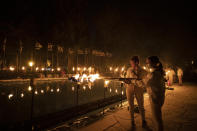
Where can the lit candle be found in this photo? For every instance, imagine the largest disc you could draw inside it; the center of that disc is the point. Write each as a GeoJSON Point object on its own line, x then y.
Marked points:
{"type": "Point", "coordinates": [37, 68]}
{"type": "Point", "coordinates": [10, 96]}
{"type": "Point", "coordinates": [23, 68]}
{"type": "Point", "coordinates": [29, 88]}
{"type": "Point", "coordinates": [12, 68]}
{"type": "Point", "coordinates": [36, 92]}
{"type": "Point", "coordinates": [84, 87]}
{"type": "Point", "coordinates": [58, 69]}
{"type": "Point", "coordinates": [31, 63]}
{"type": "Point", "coordinates": [106, 83]}
{"type": "Point", "coordinates": [73, 88]}
{"type": "Point", "coordinates": [22, 95]}
{"type": "Point", "coordinates": [42, 91]}
{"type": "Point", "coordinates": [58, 89]}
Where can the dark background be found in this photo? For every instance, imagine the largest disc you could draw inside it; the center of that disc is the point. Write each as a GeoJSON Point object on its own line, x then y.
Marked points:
{"type": "Point", "coordinates": [163, 28]}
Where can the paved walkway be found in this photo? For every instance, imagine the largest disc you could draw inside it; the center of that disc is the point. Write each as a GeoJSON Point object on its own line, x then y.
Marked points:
{"type": "Point", "coordinates": [179, 113]}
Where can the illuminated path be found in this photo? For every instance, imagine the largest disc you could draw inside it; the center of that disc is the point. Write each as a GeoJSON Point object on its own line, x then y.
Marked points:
{"type": "Point", "coordinates": [179, 113]}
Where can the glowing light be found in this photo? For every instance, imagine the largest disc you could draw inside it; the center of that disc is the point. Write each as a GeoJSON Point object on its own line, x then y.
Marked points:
{"type": "Point", "coordinates": [31, 63]}
{"type": "Point", "coordinates": [84, 87]}
{"type": "Point", "coordinates": [73, 68]}
{"type": "Point", "coordinates": [110, 68]}
{"type": "Point", "coordinates": [106, 83]}
{"type": "Point", "coordinates": [192, 62]}
{"type": "Point", "coordinates": [52, 69]}
{"type": "Point", "coordinates": [110, 90]}
{"type": "Point", "coordinates": [42, 91]}
{"type": "Point", "coordinates": [83, 77]}
{"type": "Point", "coordinates": [122, 69]}
{"type": "Point", "coordinates": [116, 70]}
{"type": "Point", "coordinates": [151, 70]}
{"type": "Point", "coordinates": [42, 69]}
{"type": "Point", "coordinates": [23, 68]}
{"type": "Point", "coordinates": [116, 91]}
{"type": "Point", "coordinates": [90, 69]}
{"type": "Point", "coordinates": [22, 95]}
{"type": "Point", "coordinates": [76, 76]}
{"type": "Point", "coordinates": [58, 69]}
{"type": "Point", "coordinates": [12, 68]}
{"type": "Point", "coordinates": [51, 90]}
{"type": "Point", "coordinates": [78, 68]}
{"type": "Point", "coordinates": [10, 96]}
{"type": "Point", "coordinates": [144, 67]}
{"type": "Point", "coordinates": [29, 88]}
{"type": "Point", "coordinates": [84, 69]}
{"type": "Point", "coordinates": [73, 88]}
{"type": "Point", "coordinates": [37, 68]}
{"type": "Point", "coordinates": [58, 90]}
{"type": "Point", "coordinates": [167, 72]}
{"type": "Point", "coordinates": [93, 77]}
{"type": "Point", "coordinates": [122, 92]}
{"type": "Point", "coordinates": [36, 92]}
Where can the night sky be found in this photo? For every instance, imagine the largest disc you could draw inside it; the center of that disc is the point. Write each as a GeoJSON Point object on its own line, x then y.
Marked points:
{"type": "Point", "coordinates": [166, 29]}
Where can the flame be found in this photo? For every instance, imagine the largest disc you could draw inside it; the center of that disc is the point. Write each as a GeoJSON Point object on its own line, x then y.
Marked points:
{"type": "Point", "coordinates": [93, 77]}
{"type": "Point", "coordinates": [12, 68]}
{"type": "Point", "coordinates": [10, 96]}
{"type": "Point", "coordinates": [106, 83]}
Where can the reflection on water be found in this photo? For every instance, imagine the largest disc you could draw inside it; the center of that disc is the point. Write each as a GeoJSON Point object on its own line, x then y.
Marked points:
{"type": "Point", "coordinates": [50, 97]}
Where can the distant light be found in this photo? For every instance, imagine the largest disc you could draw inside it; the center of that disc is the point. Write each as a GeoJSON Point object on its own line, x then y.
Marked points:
{"type": "Point", "coordinates": [42, 69]}
{"type": "Point", "coordinates": [110, 90]}
{"type": "Point", "coordinates": [22, 95]}
{"type": "Point", "coordinates": [78, 68]}
{"type": "Point", "coordinates": [10, 96]}
{"type": "Point", "coordinates": [116, 91]}
{"type": "Point", "coordinates": [144, 67]}
{"type": "Point", "coordinates": [51, 90]}
{"type": "Point", "coordinates": [52, 69]}
{"type": "Point", "coordinates": [42, 91]}
{"type": "Point", "coordinates": [31, 63]}
{"type": "Point", "coordinates": [36, 92]}
{"type": "Point", "coordinates": [106, 83]}
{"type": "Point", "coordinates": [116, 69]}
{"type": "Point", "coordinates": [23, 68]}
{"type": "Point", "coordinates": [110, 68]}
{"type": "Point", "coordinates": [58, 69]}
{"type": "Point", "coordinates": [58, 90]}
{"type": "Point", "coordinates": [12, 68]}
{"type": "Point", "coordinates": [122, 68]}
{"type": "Point", "coordinates": [73, 88]}
{"type": "Point", "coordinates": [37, 68]}
{"type": "Point", "coordinates": [122, 92]}
{"type": "Point", "coordinates": [29, 88]}
{"type": "Point", "coordinates": [90, 69]}
{"type": "Point", "coordinates": [84, 69]}
{"type": "Point", "coordinates": [192, 62]}
{"type": "Point", "coordinates": [73, 68]}
{"type": "Point", "coordinates": [76, 76]}
{"type": "Point", "coordinates": [84, 87]}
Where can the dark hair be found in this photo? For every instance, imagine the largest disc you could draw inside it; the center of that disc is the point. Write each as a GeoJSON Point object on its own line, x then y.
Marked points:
{"type": "Point", "coordinates": [155, 63]}
{"type": "Point", "coordinates": [135, 59]}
